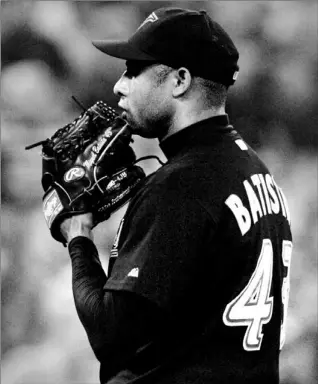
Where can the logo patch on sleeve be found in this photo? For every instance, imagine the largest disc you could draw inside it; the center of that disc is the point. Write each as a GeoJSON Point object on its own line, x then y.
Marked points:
{"type": "Point", "coordinates": [52, 206]}
{"type": "Point", "coordinates": [134, 272]}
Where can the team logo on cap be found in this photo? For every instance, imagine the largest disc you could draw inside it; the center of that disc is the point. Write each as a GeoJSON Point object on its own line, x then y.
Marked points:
{"type": "Point", "coordinates": [150, 19]}
{"type": "Point", "coordinates": [235, 75]}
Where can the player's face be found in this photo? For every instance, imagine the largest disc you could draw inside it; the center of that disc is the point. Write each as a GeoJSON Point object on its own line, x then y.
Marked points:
{"type": "Point", "coordinates": [147, 102]}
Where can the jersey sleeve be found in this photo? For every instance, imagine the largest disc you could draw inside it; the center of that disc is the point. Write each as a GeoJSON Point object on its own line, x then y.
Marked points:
{"type": "Point", "coordinates": [162, 242]}
{"type": "Point", "coordinates": [117, 323]}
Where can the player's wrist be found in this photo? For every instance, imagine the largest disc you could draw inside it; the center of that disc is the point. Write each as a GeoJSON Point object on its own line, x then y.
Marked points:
{"type": "Point", "coordinates": [83, 233]}
{"type": "Point", "coordinates": [75, 226]}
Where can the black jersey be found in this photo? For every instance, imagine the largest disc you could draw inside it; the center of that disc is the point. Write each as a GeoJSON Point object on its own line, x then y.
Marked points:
{"type": "Point", "coordinates": [207, 239]}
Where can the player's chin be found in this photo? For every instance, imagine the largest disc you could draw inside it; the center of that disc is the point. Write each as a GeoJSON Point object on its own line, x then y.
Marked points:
{"type": "Point", "coordinates": [144, 130]}
{"type": "Point", "coordinates": [138, 127]}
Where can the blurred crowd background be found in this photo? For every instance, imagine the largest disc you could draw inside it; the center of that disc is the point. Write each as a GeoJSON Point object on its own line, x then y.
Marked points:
{"type": "Point", "coordinates": [46, 57]}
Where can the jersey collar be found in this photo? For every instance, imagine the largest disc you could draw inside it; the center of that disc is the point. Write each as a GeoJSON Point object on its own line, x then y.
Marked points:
{"type": "Point", "coordinates": [202, 132]}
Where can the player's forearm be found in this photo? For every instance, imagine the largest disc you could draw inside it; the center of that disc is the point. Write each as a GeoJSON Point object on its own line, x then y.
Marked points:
{"type": "Point", "coordinates": [88, 279]}
{"type": "Point", "coordinates": [104, 314]}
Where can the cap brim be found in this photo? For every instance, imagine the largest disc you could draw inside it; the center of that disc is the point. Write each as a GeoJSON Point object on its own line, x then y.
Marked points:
{"type": "Point", "coordinates": [121, 49]}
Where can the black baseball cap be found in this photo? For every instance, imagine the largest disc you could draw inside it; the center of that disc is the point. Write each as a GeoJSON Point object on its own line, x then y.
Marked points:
{"type": "Point", "coordinates": [180, 38]}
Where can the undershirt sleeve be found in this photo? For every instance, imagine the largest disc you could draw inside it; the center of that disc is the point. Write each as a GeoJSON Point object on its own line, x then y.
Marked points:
{"type": "Point", "coordinates": [116, 323]}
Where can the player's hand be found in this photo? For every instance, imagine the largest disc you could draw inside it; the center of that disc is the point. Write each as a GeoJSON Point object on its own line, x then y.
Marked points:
{"type": "Point", "coordinates": [78, 225]}
{"type": "Point", "coordinates": [88, 165]}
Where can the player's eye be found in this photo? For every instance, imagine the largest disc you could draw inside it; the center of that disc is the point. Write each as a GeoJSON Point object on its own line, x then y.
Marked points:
{"type": "Point", "coordinates": [135, 67]}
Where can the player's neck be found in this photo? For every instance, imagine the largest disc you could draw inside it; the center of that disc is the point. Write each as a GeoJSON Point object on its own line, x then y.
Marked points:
{"type": "Point", "coordinates": [187, 117]}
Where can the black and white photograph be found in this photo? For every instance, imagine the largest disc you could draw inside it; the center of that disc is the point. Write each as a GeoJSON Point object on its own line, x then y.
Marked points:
{"type": "Point", "coordinates": [159, 179]}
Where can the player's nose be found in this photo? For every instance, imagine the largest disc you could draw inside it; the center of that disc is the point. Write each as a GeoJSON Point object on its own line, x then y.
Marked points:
{"type": "Point", "coordinates": [121, 87]}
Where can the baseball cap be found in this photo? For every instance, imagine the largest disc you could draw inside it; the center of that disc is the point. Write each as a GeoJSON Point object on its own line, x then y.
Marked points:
{"type": "Point", "coordinates": [180, 37]}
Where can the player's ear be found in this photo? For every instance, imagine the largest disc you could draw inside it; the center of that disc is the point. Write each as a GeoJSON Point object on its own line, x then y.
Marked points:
{"type": "Point", "coordinates": [182, 81]}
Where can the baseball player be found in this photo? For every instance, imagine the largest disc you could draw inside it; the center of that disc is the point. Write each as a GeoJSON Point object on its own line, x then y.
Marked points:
{"type": "Point", "coordinates": [198, 280]}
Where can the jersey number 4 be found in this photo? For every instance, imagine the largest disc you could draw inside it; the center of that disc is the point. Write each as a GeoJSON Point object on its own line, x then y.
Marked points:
{"type": "Point", "coordinates": [253, 307]}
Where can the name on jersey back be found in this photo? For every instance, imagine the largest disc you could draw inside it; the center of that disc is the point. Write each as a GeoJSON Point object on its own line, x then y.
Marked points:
{"type": "Point", "coordinates": [264, 197]}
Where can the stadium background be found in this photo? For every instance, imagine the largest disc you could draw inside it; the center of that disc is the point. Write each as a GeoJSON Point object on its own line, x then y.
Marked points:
{"type": "Point", "coordinates": [46, 57]}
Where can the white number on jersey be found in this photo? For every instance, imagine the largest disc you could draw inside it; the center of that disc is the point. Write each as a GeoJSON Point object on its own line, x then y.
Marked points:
{"type": "Point", "coordinates": [253, 307]}
{"type": "Point", "coordinates": [286, 255]}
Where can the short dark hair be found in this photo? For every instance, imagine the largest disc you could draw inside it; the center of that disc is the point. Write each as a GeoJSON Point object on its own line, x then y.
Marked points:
{"type": "Point", "coordinates": [214, 94]}
{"type": "Point", "coordinates": [162, 72]}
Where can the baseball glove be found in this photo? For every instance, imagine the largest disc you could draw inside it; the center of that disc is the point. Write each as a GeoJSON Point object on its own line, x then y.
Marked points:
{"type": "Point", "coordinates": [88, 166]}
